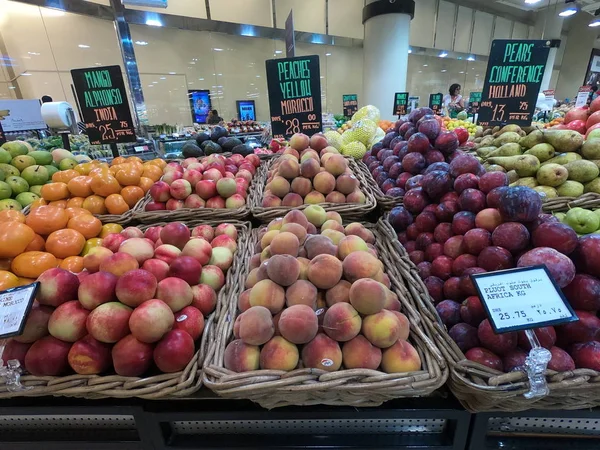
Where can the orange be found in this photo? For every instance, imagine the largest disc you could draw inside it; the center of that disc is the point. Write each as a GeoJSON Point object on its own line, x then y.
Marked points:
{"type": "Point", "coordinates": [89, 244]}
{"type": "Point", "coordinates": [46, 219]}
{"type": "Point", "coordinates": [37, 203]}
{"type": "Point", "coordinates": [36, 245]}
{"type": "Point", "coordinates": [75, 202]}
{"type": "Point", "coordinates": [8, 280]}
{"type": "Point", "coordinates": [134, 159]}
{"type": "Point", "coordinates": [26, 281]}
{"type": "Point", "coordinates": [105, 185]}
{"type": "Point", "coordinates": [76, 211]}
{"type": "Point", "coordinates": [146, 183]}
{"type": "Point", "coordinates": [33, 264]}
{"type": "Point", "coordinates": [88, 225]}
{"type": "Point", "coordinates": [157, 162]}
{"type": "Point", "coordinates": [59, 204]}
{"type": "Point", "coordinates": [83, 168]}
{"type": "Point", "coordinates": [55, 191]}
{"type": "Point", "coordinates": [72, 263]}
{"type": "Point", "coordinates": [132, 194]}
{"type": "Point", "coordinates": [100, 170]}
{"type": "Point", "coordinates": [65, 243]}
{"type": "Point", "coordinates": [14, 238]}
{"type": "Point", "coordinates": [95, 204]}
{"type": "Point", "coordinates": [110, 228]}
{"type": "Point", "coordinates": [80, 186]}
{"type": "Point", "coordinates": [116, 204]}
{"type": "Point", "coordinates": [128, 177]}
{"type": "Point", "coordinates": [118, 160]}
{"type": "Point", "coordinates": [63, 176]}
{"type": "Point", "coordinates": [12, 215]}
{"type": "Point", "coordinates": [152, 172]}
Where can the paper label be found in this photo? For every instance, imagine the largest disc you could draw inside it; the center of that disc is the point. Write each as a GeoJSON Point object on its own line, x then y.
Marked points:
{"type": "Point", "coordinates": [15, 305]}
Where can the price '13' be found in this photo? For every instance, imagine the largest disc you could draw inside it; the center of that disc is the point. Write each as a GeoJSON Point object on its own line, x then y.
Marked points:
{"type": "Point", "coordinates": [498, 113]}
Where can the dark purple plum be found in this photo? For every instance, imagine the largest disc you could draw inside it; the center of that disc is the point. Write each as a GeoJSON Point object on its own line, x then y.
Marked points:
{"type": "Point", "coordinates": [400, 218]}
{"type": "Point", "coordinates": [409, 133]}
{"type": "Point", "coordinates": [446, 142]}
{"type": "Point", "coordinates": [434, 156]}
{"type": "Point", "coordinates": [378, 170]}
{"type": "Point", "coordinates": [403, 178]}
{"type": "Point", "coordinates": [429, 127]}
{"type": "Point", "coordinates": [418, 143]}
{"type": "Point", "coordinates": [465, 336]}
{"type": "Point", "coordinates": [374, 165]}
{"type": "Point", "coordinates": [395, 170]}
{"type": "Point", "coordinates": [388, 184]}
{"type": "Point", "coordinates": [395, 192]}
{"type": "Point", "coordinates": [416, 200]}
{"type": "Point", "coordinates": [464, 163]}
{"type": "Point", "coordinates": [520, 204]}
{"type": "Point", "coordinates": [383, 154]}
{"type": "Point", "coordinates": [396, 141]}
{"type": "Point", "coordinates": [389, 162]}
{"type": "Point", "coordinates": [417, 114]}
{"type": "Point", "coordinates": [414, 163]}
{"type": "Point", "coordinates": [443, 166]}
{"type": "Point", "coordinates": [388, 138]}
{"type": "Point", "coordinates": [379, 179]}
{"type": "Point", "coordinates": [436, 183]}
{"type": "Point", "coordinates": [414, 182]}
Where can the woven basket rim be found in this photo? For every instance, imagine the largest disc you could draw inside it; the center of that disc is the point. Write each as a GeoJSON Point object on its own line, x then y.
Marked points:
{"type": "Point", "coordinates": [386, 202]}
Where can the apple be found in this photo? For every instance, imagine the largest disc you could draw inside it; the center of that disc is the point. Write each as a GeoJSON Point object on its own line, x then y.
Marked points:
{"type": "Point", "coordinates": [160, 192]}
{"type": "Point", "coordinates": [175, 233]}
{"type": "Point", "coordinates": [174, 351]}
{"type": "Point", "coordinates": [583, 221]}
{"type": "Point", "coordinates": [190, 320]}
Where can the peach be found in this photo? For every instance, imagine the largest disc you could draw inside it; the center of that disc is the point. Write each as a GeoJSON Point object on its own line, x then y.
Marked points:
{"type": "Point", "coordinates": [254, 260]}
{"type": "Point", "coordinates": [241, 357]}
{"type": "Point", "coordinates": [321, 302]}
{"type": "Point", "coordinates": [167, 253]}
{"type": "Point", "coordinates": [141, 249]}
{"type": "Point", "coordinates": [309, 154]}
{"type": "Point", "coordinates": [212, 276]}
{"type": "Point", "coordinates": [175, 233]}
{"type": "Point", "coordinates": [175, 292]}
{"type": "Point", "coordinates": [392, 303]}
{"type": "Point", "coordinates": [88, 356]}
{"type": "Point", "coordinates": [255, 326]}
{"type": "Point", "coordinates": [244, 301]}
{"type": "Point", "coordinates": [283, 269]}
{"type": "Point", "coordinates": [235, 201]}
{"type": "Point", "coordinates": [190, 320]}
{"type": "Point", "coordinates": [130, 357]}
{"type": "Point", "coordinates": [289, 169]}
{"type": "Point", "coordinates": [279, 354]}
{"type": "Point", "coordinates": [199, 249]}
{"type": "Point", "coordinates": [267, 238]}
{"type": "Point", "coordinates": [205, 232]}
{"type": "Point", "coordinates": [342, 322]}
{"type": "Point", "coordinates": [333, 215]}
{"type": "Point", "coordinates": [335, 197]}
{"type": "Point", "coordinates": [335, 164]}
{"type": "Point", "coordinates": [304, 262]}
{"type": "Point", "coordinates": [270, 201]}
{"type": "Point", "coordinates": [319, 245]}
{"type": "Point", "coordinates": [151, 320]}
{"type": "Point", "coordinates": [382, 329]}
{"type": "Point", "coordinates": [119, 263]}
{"type": "Point", "coordinates": [367, 296]}
{"type": "Point", "coordinates": [295, 216]}
{"type": "Point", "coordinates": [358, 229]}
{"type": "Point", "coordinates": [48, 357]}
{"type": "Point", "coordinates": [153, 233]}
{"type": "Point", "coordinates": [356, 197]}
{"type": "Point", "coordinates": [109, 322]}
{"type": "Point", "coordinates": [224, 241]}
{"type": "Point", "coordinates": [361, 264]}
{"type": "Point", "coordinates": [298, 324]}
{"type": "Point", "coordinates": [132, 232]}
{"type": "Point", "coordinates": [67, 322]}
{"type": "Point", "coordinates": [346, 183]}
{"type": "Point", "coordinates": [315, 215]}
{"type": "Point", "coordinates": [301, 292]}
{"type": "Point", "coordinates": [296, 229]}
{"type": "Point", "coordinates": [284, 243]}
{"type": "Point", "coordinates": [351, 244]}
{"type": "Point", "coordinates": [359, 353]}
{"type": "Point", "coordinates": [400, 357]}
{"type": "Point", "coordinates": [302, 186]}
{"type": "Point", "coordinates": [96, 289]}
{"type": "Point", "coordinates": [324, 271]}
{"type": "Point", "coordinates": [324, 183]}
{"type": "Point", "coordinates": [268, 294]}
{"type": "Point", "coordinates": [113, 241]}
{"type": "Point", "coordinates": [222, 258]}
{"type": "Point", "coordinates": [15, 350]}
{"type": "Point", "coordinates": [404, 325]}
{"type": "Point", "coordinates": [279, 186]}
{"type": "Point", "coordinates": [135, 287]}
{"type": "Point", "coordinates": [275, 224]}
{"type": "Point", "coordinates": [309, 168]}
{"type": "Point", "coordinates": [156, 267]}
{"type": "Point", "coordinates": [174, 351]}
{"type": "Point", "coordinates": [314, 198]}
{"type": "Point", "coordinates": [338, 293]}
{"type": "Point", "coordinates": [94, 257]}
{"type": "Point", "coordinates": [333, 235]}
{"type": "Point", "coordinates": [36, 325]}
{"type": "Point", "coordinates": [204, 298]}
{"type": "Point", "coordinates": [330, 224]}
{"type": "Point", "coordinates": [57, 286]}
{"type": "Point", "coordinates": [322, 353]}
{"type": "Point", "coordinates": [254, 277]}
{"type": "Point", "coordinates": [185, 268]}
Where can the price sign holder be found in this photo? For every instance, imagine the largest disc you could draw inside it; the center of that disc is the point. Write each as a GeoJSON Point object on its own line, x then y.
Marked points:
{"type": "Point", "coordinates": [2, 137]}
{"type": "Point", "coordinates": [400, 103]}
{"type": "Point", "coordinates": [435, 103]}
{"type": "Point", "coordinates": [15, 304]}
{"type": "Point", "coordinates": [523, 299]}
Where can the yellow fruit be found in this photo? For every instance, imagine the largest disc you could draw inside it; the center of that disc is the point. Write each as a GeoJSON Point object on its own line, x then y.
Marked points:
{"type": "Point", "coordinates": [110, 228]}
{"type": "Point", "coordinates": [89, 244]}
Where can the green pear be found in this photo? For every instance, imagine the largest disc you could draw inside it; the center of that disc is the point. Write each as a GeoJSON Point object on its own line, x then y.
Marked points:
{"type": "Point", "coordinates": [512, 176]}
{"type": "Point", "coordinates": [564, 140]}
{"type": "Point", "coordinates": [524, 165]}
{"type": "Point", "coordinates": [570, 188]}
{"type": "Point", "coordinates": [591, 149]}
{"type": "Point", "coordinates": [597, 212]}
{"type": "Point", "coordinates": [563, 158]}
{"type": "Point", "coordinates": [526, 181]}
{"type": "Point", "coordinates": [495, 168]}
{"type": "Point", "coordinates": [546, 191]}
{"type": "Point", "coordinates": [596, 161]}
{"type": "Point", "coordinates": [508, 129]}
{"type": "Point", "coordinates": [560, 216]}
{"type": "Point", "coordinates": [67, 164]}
{"type": "Point", "coordinates": [552, 175]}
{"type": "Point", "coordinates": [510, 149]}
{"type": "Point", "coordinates": [582, 170]}
{"type": "Point", "coordinates": [583, 221]}
{"type": "Point", "coordinates": [592, 186]}
{"type": "Point", "coordinates": [506, 138]}
{"type": "Point", "coordinates": [532, 139]}
{"type": "Point", "coordinates": [487, 141]}
{"type": "Point", "coordinates": [484, 152]}
{"type": "Point", "coordinates": [543, 152]}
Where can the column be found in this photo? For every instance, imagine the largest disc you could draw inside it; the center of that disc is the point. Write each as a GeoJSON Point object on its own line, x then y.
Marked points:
{"type": "Point", "coordinates": [548, 25]}
{"type": "Point", "coordinates": [385, 50]}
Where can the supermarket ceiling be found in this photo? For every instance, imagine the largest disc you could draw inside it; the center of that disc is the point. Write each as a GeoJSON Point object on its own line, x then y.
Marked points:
{"type": "Point", "coordinates": [586, 5]}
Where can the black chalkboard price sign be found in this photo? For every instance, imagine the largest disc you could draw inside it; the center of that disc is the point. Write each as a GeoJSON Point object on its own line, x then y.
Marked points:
{"type": "Point", "coordinates": [349, 104]}
{"type": "Point", "coordinates": [2, 137]}
{"type": "Point", "coordinates": [512, 81]}
{"type": "Point", "coordinates": [435, 103]}
{"type": "Point", "coordinates": [294, 87]}
{"type": "Point", "coordinates": [400, 103]}
{"type": "Point", "coordinates": [104, 105]}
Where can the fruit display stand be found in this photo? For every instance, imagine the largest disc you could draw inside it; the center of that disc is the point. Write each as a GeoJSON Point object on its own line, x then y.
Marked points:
{"type": "Point", "coordinates": [355, 387]}
{"type": "Point", "coordinates": [348, 211]}
{"type": "Point", "coordinates": [158, 386]}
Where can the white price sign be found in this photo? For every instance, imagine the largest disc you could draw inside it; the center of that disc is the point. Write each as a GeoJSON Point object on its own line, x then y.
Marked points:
{"type": "Point", "coordinates": [521, 299]}
{"type": "Point", "coordinates": [15, 305]}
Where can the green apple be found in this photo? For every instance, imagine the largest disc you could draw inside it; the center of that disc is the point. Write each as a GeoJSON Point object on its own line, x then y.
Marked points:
{"type": "Point", "coordinates": [35, 175]}
{"type": "Point", "coordinates": [16, 148]}
{"type": "Point", "coordinates": [583, 221]}
{"type": "Point", "coordinates": [26, 198]}
{"type": "Point", "coordinates": [9, 203]}
{"type": "Point", "coordinates": [5, 190]}
{"type": "Point", "coordinates": [41, 157]}
{"type": "Point", "coordinates": [51, 170]}
{"type": "Point", "coordinates": [37, 189]}
{"type": "Point", "coordinates": [67, 164]}
{"type": "Point", "coordinates": [5, 157]}
{"type": "Point", "coordinates": [22, 162]}
{"type": "Point", "coordinates": [9, 170]}
{"type": "Point", "coordinates": [17, 184]}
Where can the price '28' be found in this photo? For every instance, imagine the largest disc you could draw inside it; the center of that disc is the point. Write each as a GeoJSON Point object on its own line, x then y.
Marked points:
{"type": "Point", "coordinates": [293, 126]}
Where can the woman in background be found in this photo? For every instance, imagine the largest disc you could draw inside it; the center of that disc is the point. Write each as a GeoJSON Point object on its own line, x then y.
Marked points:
{"type": "Point", "coordinates": [213, 118]}
{"type": "Point", "coordinates": [453, 101]}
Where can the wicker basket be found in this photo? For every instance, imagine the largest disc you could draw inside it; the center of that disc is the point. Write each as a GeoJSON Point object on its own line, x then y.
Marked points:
{"type": "Point", "coordinates": [164, 385]}
{"type": "Point", "coordinates": [185, 214]}
{"type": "Point", "coordinates": [356, 387]}
{"type": "Point", "coordinates": [350, 211]}
{"type": "Point", "coordinates": [563, 204]}
{"type": "Point", "coordinates": [480, 388]}
{"type": "Point", "coordinates": [385, 202]}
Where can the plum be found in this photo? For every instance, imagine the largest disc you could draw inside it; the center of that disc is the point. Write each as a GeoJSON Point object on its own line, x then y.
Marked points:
{"type": "Point", "coordinates": [492, 180]}
{"type": "Point", "coordinates": [546, 336]}
{"type": "Point", "coordinates": [587, 328]}
{"type": "Point", "coordinates": [500, 344]}
{"type": "Point", "coordinates": [465, 336]}
{"type": "Point", "coordinates": [520, 204]}
{"type": "Point", "coordinates": [472, 200]}
{"type": "Point", "coordinates": [452, 289]}
{"type": "Point", "coordinates": [493, 197]}
{"type": "Point", "coordinates": [587, 355]}
{"type": "Point", "coordinates": [462, 263]}
{"type": "Point", "coordinates": [426, 221]}
{"type": "Point", "coordinates": [514, 360]}
{"type": "Point", "coordinates": [464, 163]}
{"type": "Point", "coordinates": [418, 143]}
{"type": "Point", "coordinates": [414, 182]}
{"type": "Point", "coordinates": [449, 312]}
{"type": "Point", "coordinates": [435, 287]}
{"type": "Point", "coordinates": [485, 357]}
{"type": "Point", "coordinates": [466, 285]}
{"type": "Point", "coordinates": [587, 255]}
{"type": "Point", "coordinates": [513, 236]}
{"type": "Point", "coordinates": [561, 361]}
{"type": "Point", "coordinates": [446, 142]}
{"type": "Point", "coordinates": [442, 232]}
{"type": "Point", "coordinates": [400, 218]}
{"type": "Point", "coordinates": [441, 267]}
{"type": "Point", "coordinates": [445, 211]}
{"type": "Point", "coordinates": [561, 268]}
{"type": "Point", "coordinates": [437, 183]}
{"type": "Point", "coordinates": [414, 163]}
{"type": "Point", "coordinates": [555, 235]}
{"type": "Point", "coordinates": [583, 292]}
{"type": "Point", "coordinates": [463, 222]}
{"type": "Point", "coordinates": [416, 200]}
{"type": "Point", "coordinates": [476, 240]}
{"type": "Point", "coordinates": [495, 258]}
{"type": "Point", "coordinates": [424, 268]}
{"type": "Point", "coordinates": [434, 157]}
{"type": "Point", "coordinates": [472, 311]}
{"type": "Point", "coordinates": [466, 181]}
{"type": "Point", "coordinates": [434, 250]}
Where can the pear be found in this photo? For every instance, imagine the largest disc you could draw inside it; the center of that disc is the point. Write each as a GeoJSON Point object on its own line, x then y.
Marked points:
{"type": "Point", "coordinates": [563, 158]}
{"type": "Point", "coordinates": [570, 188]}
{"type": "Point", "coordinates": [546, 191]}
{"type": "Point", "coordinates": [597, 162]}
{"type": "Point", "coordinates": [486, 141]}
{"type": "Point", "coordinates": [512, 176]}
{"type": "Point", "coordinates": [582, 170]}
{"type": "Point", "coordinates": [560, 216]}
{"type": "Point", "coordinates": [593, 186]}
{"type": "Point", "coordinates": [534, 138]}
{"type": "Point", "coordinates": [591, 149]}
{"type": "Point", "coordinates": [524, 165]}
{"type": "Point", "coordinates": [487, 132]}
{"type": "Point", "coordinates": [552, 175]}
{"type": "Point", "coordinates": [511, 149]}
{"type": "Point", "coordinates": [506, 138]}
{"type": "Point", "coordinates": [526, 181]}
{"type": "Point", "coordinates": [564, 140]}
{"type": "Point", "coordinates": [543, 152]}
{"type": "Point", "coordinates": [508, 129]}
{"type": "Point", "coordinates": [484, 152]}
{"type": "Point", "coordinates": [495, 168]}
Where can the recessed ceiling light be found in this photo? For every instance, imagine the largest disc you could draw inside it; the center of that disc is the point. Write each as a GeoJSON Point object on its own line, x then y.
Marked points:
{"type": "Point", "coordinates": [201, 79]}
{"type": "Point", "coordinates": [141, 42]}
{"type": "Point", "coordinates": [155, 82]}
{"type": "Point", "coordinates": [443, 54]}
{"type": "Point", "coordinates": [163, 78]}
{"type": "Point", "coordinates": [444, 70]}
{"type": "Point", "coordinates": [409, 51]}
{"type": "Point", "coordinates": [257, 76]}
{"type": "Point", "coordinates": [150, 85]}
{"type": "Point", "coordinates": [25, 74]}
{"type": "Point", "coordinates": [218, 49]}
{"type": "Point", "coordinates": [153, 23]}
{"type": "Point", "coordinates": [172, 73]}
{"type": "Point", "coordinates": [83, 46]}
{"type": "Point", "coordinates": [33, 53]}
{"type": "Point", "coordinates": [327, 54]}
{"type": "Point", "coordinates": [461, 72]}
{"type": "Point", "coordinates": [471, 58]}
{"type": "Point", "coordinates": [278, 51]}
{"type": "Point", "coordinates": [425, 65]}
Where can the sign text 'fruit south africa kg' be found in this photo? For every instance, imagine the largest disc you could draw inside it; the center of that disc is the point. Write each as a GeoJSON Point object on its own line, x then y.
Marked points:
{"type": "Point", "coordinates": [104, 105]}
{"type": "Point", "coordinates": [512, 81]}
{"type": "Point", "coordinates": [294, 96]}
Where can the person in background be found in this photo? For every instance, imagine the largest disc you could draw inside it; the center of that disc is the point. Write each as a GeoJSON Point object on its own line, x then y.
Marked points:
{"type": "Point", "coordinates": [453, 101]}
{"type": "Point", "coordinates": [213, 118]}
{"type": "Point", "coordinates": [593, 94]}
